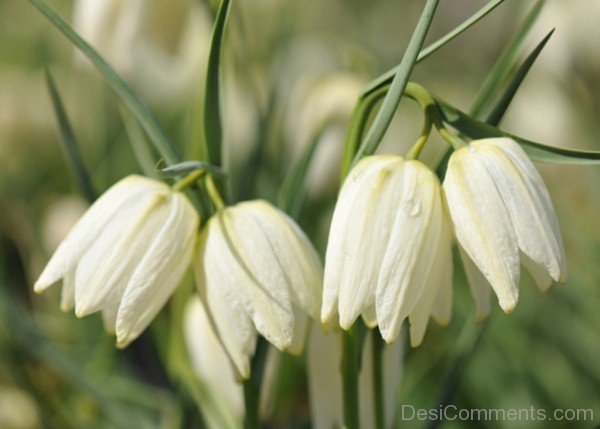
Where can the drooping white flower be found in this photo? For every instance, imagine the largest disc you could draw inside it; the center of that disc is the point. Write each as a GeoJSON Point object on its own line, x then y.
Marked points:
{"type": "Point", "coordinates": [325, 380]}
{"type": "Point", "coordinates": [125, 256]}
{"type": "Point", "coordinates": [389, 254]}
{"type": "Point", "coordinates": [503, 217]}
{"type": "Point", "coordinates": [256, 271]}
{"type": "Point", "coordinates": [210, 362]}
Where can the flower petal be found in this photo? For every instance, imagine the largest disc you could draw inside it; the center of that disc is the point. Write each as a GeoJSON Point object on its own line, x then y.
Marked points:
{"type": "Point", "coordinates": [482, 223]}
{"type": "Point", "coordinates": [533, 227]}
{"type": "Point", "coordinates": [414, 238]}
{"type": "Point", "coordinates": [359, 235]}
{"type": "Point", "coordinates": [479, 286]}
{"type": "Point", "coordinates": [156, 276]}
{"type": "Point", "coordinates": [91, 225]}
{"type": "Point", "coordinates": [297, 258]}
{"type": "Point", "coordinates": [67, 298]}
{"type": "Point", "coordinates": [106, 268]}
{"type": "Point", "coordinates": [258, 275]}
{"type": "Point", "coordinates": [216, 283]}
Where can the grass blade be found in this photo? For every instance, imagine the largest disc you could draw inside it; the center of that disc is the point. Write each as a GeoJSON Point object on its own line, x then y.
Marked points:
{"type": "Point", "coordinates": [139, 109]}
{"type": "Point", "coordinates": [213, 128]}
{"type": "Point", "coordinates": [292, 192]}
{"type": "Point", "coordinates": [505, 63]}
{"type": "Point", "coordinates": [386, 78]}
{"type": "Point", "coordinates": [501, 107]}
{"type": "Point", "coordinates": [392, 98]}
{"type": "Point", "coordinates": [539, 152]}
{"type": "Point", "coordinates": [69, 142]}
{"type": "Point", "coordinates": [139, 144]}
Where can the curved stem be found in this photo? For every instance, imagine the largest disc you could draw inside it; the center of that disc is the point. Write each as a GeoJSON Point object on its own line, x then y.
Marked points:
{"type": "Point", "coordinates": [213, 192]}
{"type": "Point", "coordinates": [415, 151]}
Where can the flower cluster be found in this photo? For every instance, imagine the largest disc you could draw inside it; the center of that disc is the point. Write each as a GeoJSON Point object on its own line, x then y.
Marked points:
{"type": "Point", "coordinates": [389, 252]}
{"type": "Point", "coordinates": [389, 255]}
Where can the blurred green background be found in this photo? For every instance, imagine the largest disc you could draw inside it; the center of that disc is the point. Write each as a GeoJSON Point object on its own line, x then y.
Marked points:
{"type": "Point", "coordinates": [283, 60]}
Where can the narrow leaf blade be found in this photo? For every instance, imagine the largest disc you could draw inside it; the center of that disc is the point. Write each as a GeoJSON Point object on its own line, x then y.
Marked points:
{"type": "Point", "coordinates": [386, 78]}
{"type": "Point", "coordinates": [501, 107]}
{"type": "Point", "coordinates": [539, 152]}
{"type": "Point", "coordinates": [69, 142]}
{"type": "Point", "coordinates": [213, 128]}
{"type": "Point", "coordinates": [132, 101]}
{"type": "Point", "coordinates": [394, 95]}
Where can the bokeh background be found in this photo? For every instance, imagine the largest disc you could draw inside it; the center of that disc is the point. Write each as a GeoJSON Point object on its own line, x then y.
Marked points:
{"type": "Point", "coordinates": [289, 65]}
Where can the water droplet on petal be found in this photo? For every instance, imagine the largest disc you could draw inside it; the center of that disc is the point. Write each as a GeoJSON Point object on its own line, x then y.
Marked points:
{"type": "Point", "coordinates": [472, 149]}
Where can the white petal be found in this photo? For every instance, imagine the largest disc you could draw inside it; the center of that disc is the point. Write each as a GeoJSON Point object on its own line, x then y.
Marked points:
{"type": "Point", "coordinates": [479, 286]}
{"type": "Point", "coordinates": [482, 224]}
{"type": "Point", "coordinates": [414, 239]}
{"type": "Point", "coordinates": [167, 258]}
{"type": "Point", "coordinates": [301, 329]}
{"type": "Point", "coordinates": [91, 225]}
{"type": "Point", "coordinates": [540, 198]}
{"type": "Point", "coordinates": [534, 232]}
{"type": "Point", "coordinates": [540, 274]}
{"type": "Point", "coordinates": [295, 254]}
{"type": "Point", "coordinates": [437, 287]}
{"type": "Point", "coordinates": [67, 298]}
{"type": "Point", "coordinates": [109, 318]}
{"type": "Point", "coordinates": [369, 316]}
{"type": "Point", "coordinates": [211, 363]}
{"type": "Point", "coordinates": [106, 268]}
{"type": "Point", "coordinates": [257, 273]}
{"type": "Point", "coordinates": [348, 264]}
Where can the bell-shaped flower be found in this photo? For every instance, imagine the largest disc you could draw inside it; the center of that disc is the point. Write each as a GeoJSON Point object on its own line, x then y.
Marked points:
{"type": "Point", "coordinates": [256, 271]}
{"type": "Point", "coordinates": [503, 217]}
{"type": "Point", "coordinates": [125, 256]}
{"type": "Point", "coordinates": [388, 255]}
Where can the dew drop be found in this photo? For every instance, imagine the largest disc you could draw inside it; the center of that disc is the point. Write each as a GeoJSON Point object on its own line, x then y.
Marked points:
{"type": "Point", "coordinates": [412, 207]}
{"type": "Point", "coordinates": [472, 149]}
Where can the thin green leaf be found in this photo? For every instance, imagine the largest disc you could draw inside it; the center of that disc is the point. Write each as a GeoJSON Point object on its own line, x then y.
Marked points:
{"type": "Point", "coordinates": [394, 95]}
{"type": "Point", "coordinates": [139, 144]}
{"type": "Point", "coordinates": [386, 78]}
{"type": "Point", "coordinates": [69, 142]}
{"type": "Point", "coordinates": [187, 167]}
{"type": "Point", "coordinates": [506, 62]}
{"type": "Point", "coordinates": [139, 109]}
{"type": "Point", "coordinates": [501, 107]}
{"type": "Point", "coordinates": [477, 129]}
{"type": "Point", "coordinates": [292, 192]}
{"type": "Point", "coordinates": [213, 129]}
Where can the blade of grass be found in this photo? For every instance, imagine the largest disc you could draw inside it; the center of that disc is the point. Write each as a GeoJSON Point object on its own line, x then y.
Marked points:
{"type": "Point", "coordinates": [394, 95]}
{"type": "Point", "coordinates": [69, 142]}
{"type": "Point", "coordinates": [386, 78]}
{"type": "Point", "coordinates": [501, 107]}
{"type": "Point", "coordinates": [213, 128]}
{"type": "Point", "coordinates": [138, 142]}
{"type": "Point", "coordinates": [139, 109]}
{"type": "Point", "coordinates": [505, 63]}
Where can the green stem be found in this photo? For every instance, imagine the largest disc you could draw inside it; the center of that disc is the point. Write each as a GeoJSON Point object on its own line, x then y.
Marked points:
{"type": "Point", "coordinates": [252, 385]}
{"type": "Point", "coordinates": [213, 193]}
{"type": "Point", "coordinates": [415, 151]}
{"type": "Point", "coordinates": [350, 371]}
{"type": "Point", "coordinates": [188, 180]}
{"type": "Point", "coordinates": [378, 404]}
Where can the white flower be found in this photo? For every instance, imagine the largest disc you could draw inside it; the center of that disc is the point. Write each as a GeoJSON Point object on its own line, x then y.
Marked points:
{"type": "Point", "coordinates": [210, 362]}
{"type": "Point", "coordinates": [257, 271]}
{"type": "Point", "coordinates": [125, 256]}
{"type": "Point", "coordinates": [503, 216]}
{"type": "Point", "coordinates": [325, 380]}
{"type": "Point", "coordinates": [389, 253]}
